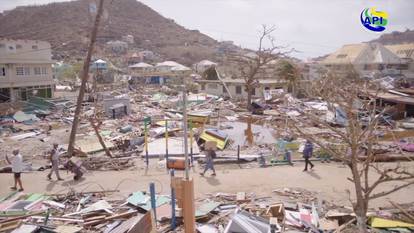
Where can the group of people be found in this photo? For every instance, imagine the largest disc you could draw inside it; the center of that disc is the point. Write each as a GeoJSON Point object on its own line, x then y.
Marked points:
{"type": "Point", "coordinates": [307, 154]}
{"type": "Point", "coordinates": [17, 165]}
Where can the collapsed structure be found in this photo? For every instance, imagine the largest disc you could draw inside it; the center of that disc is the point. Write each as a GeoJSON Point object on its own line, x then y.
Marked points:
{"type": "Point", "coordinates": [141, 117]}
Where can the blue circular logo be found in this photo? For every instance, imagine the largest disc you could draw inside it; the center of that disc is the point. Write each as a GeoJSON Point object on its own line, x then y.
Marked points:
{"type": "Point", "coordinates": [374, 20]}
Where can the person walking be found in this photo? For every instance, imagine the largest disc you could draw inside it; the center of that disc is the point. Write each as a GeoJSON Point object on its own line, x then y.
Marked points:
{"type": "Point", "coordinates": [210, 155]}
{"type": "Point", "coordinates": [307, 153]}
{"type": "Point", "coordinates": [17, 168]}
{"type": "Point", "coordinates": [288, 156]}
{"type": "Point", "coordinates": [54, 159]}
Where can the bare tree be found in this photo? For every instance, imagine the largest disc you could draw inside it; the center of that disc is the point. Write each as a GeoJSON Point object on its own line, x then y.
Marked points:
{"type": "Point", "coordinates": [357, 100]}
{"type": "Point", "coordinates": [251, 65]}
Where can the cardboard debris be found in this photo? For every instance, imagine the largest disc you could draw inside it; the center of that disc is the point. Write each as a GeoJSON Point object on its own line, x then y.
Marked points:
{"type": "Point", "coordinates": [386, 223]}
{"type": "Point", "coordinates": [175, 147]}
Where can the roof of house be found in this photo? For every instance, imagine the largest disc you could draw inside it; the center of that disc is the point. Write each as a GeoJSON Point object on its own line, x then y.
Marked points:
{"type": "Point", "coordinates": [242, 81]}
{"type": "Point", "coordinates": [402, 50]}
{"type": "Point", "coordinates": [363, 53]}
{"type": "Point", "coordinates": [174, 66]}
{"type": "Point", "coordinates": [206, 63]}
{"type": "Point", "coordinates": [168, 63]}
{"type": "Point", "coordinates": [140, 65]}
{"type": "Point", "coordinates": [393, 97]}
{"type": "Point", "coordinates": [100, 61]}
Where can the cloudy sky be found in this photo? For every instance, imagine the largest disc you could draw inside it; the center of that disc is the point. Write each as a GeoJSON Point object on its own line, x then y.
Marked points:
{"type": "Point", "coordinates": [313, 28]}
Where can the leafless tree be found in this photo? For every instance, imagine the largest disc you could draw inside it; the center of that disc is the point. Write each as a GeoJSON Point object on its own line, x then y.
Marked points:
{"type": "Point", "coordinates": [251, 65]}
{"type": "Point", "coordinates": [358, 138]}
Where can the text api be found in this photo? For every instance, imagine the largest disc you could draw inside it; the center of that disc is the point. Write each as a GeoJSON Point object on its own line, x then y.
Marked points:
{"type": "Point", "coordinates": [374, 20]}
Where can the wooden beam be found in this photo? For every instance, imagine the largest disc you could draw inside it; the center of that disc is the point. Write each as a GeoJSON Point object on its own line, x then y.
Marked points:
{"type": "Point", "coordinates": [410, 216]}
{"type": "Point", "coordinates": [188, 206]}
{"type": "Point", "coordinates": [101, 141]}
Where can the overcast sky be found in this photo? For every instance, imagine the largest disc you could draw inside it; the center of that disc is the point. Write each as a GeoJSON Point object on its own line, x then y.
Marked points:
{"type": "Point", "coordinates": [313, 27]}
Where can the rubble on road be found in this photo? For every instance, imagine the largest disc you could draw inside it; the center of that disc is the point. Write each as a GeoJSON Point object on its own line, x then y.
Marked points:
{"type": "Point", "coordinates": [240, 136]}
{"type": "Point", "coordinates": [135, 125]}
{"type": "Point", "coordinates": [286, 210]}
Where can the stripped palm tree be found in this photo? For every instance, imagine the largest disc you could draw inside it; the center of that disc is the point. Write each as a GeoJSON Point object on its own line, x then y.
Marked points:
{"type": "Point", "coordinates": [289, 72]}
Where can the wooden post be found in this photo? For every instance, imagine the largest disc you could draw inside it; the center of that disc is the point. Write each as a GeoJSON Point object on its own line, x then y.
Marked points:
{"type": "Point", "coordinates": [101, 141]}
{"type": "Point", "coordinates": [191, 143]}
{"type": "Point", "coordinates": [188, 206]}
{"type": "Point", "coordinates": [153, 201]}
{"type": "Point", "coordinates": [166, 141]}
{"type": "Point", "coordinates": [173, 221]}
{"type": "Point", "coordinates": [146, 142]}
{"type": "Point", "coordinates": [84, 79]}
{"type": "Point", "coordinates": [147, 120]}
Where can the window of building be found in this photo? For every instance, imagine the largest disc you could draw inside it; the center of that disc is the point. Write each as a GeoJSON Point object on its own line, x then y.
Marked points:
{"type": "Point", "coordinates": [224, 89]}
{"type": "Point", "coordinates": [2, 46]}
{"type": "Point", "coordinates": [341, 56]}
{"type": "Point", "coordinates": [34, 47]}
{"type": "Point", "coordinates": [37, 71]}
{"type": "Point", "coordinates": [19, 46]}
{"type": "Point", "coordinates": [238, 90]}
{"type": "Point", "coordinates": [26, 70]}
{"type": "Point", "coordinates": [19, 70]}
{"type": "Point", "coordinates": [403, 66]}
{"type": "Point", "coordinates": [254, 91]}
{"type": "Point", "coordinates": [11, 48]}
{"type": "Point", "coordinates": [203, 87]}
{"type": "Point", "coordinates": [2, 71]}
{"type": "Point", "coordinates": [44, 70]}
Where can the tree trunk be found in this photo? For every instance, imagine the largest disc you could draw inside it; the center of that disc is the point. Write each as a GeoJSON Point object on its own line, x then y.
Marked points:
{"type": "Point", "coordinates": [361, 206]}
{"type": "Point", "coordinates": [249, 98]}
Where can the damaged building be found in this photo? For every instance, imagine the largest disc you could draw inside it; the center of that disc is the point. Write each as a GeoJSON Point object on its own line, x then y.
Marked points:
{"type": "Point", "coordinates": [25, 70]}
{"type": "Point", "coordinates": [370, 60]}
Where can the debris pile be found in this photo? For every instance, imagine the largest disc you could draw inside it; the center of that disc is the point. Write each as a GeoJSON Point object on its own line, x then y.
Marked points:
{"type": "Point", "coordinates": [286, 210]}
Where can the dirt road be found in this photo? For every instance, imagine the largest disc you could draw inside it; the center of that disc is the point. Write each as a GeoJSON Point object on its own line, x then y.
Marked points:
{"type": "Point", "coordinates": [327, 179]}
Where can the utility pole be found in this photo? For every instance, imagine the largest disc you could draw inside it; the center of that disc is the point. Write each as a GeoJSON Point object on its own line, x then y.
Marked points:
{"type": "Point", "coordinates": [188, 184]}
{"type": "Point", "coordinates": [85, 72]}
{"type": "Point", "coordinates": [187, 176]}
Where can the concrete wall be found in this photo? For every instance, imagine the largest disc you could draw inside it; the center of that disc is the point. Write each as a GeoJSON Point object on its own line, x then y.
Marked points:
{"type": "Point", "coordinates": [109, 102]}
{"type": "Point", "coordinates": [217, 89]}
{"type": "Point", "coordinates": [25, 51]}
{"type": "Point", "coordinates": [30, 78]}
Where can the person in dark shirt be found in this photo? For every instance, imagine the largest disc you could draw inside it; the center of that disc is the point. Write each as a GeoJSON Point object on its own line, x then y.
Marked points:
{"type": "Point", "coordinates": [307, 153]}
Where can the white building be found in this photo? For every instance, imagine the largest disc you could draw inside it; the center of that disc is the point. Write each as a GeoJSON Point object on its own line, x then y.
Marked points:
{"type": "Point", "coordinates": [25, 69]}
{"type": "Point", "coordinates": [367, 59]}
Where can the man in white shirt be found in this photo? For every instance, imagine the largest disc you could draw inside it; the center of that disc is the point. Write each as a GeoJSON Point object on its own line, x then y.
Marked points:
{"type": "Point", "coordinates": [54, 158]}
{"type": "Point", "coordinates": [17, 168]}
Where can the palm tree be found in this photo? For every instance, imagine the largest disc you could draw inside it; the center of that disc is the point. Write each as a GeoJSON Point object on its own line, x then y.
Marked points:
{"type": "Point", "coordinates": [289, 72]}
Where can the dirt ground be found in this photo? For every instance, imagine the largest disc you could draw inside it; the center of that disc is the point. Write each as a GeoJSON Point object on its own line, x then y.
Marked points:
{"type": "Point", "coordinates": [329, 180]}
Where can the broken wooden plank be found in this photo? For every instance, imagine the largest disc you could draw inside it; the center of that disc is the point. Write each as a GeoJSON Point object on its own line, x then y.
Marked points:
{"type": "Point", "coordinates": [21, 217]}
{"type": "Point", "coordinates": [410, 216]}
{"type": "Point", "coordinates": [74, 220]}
